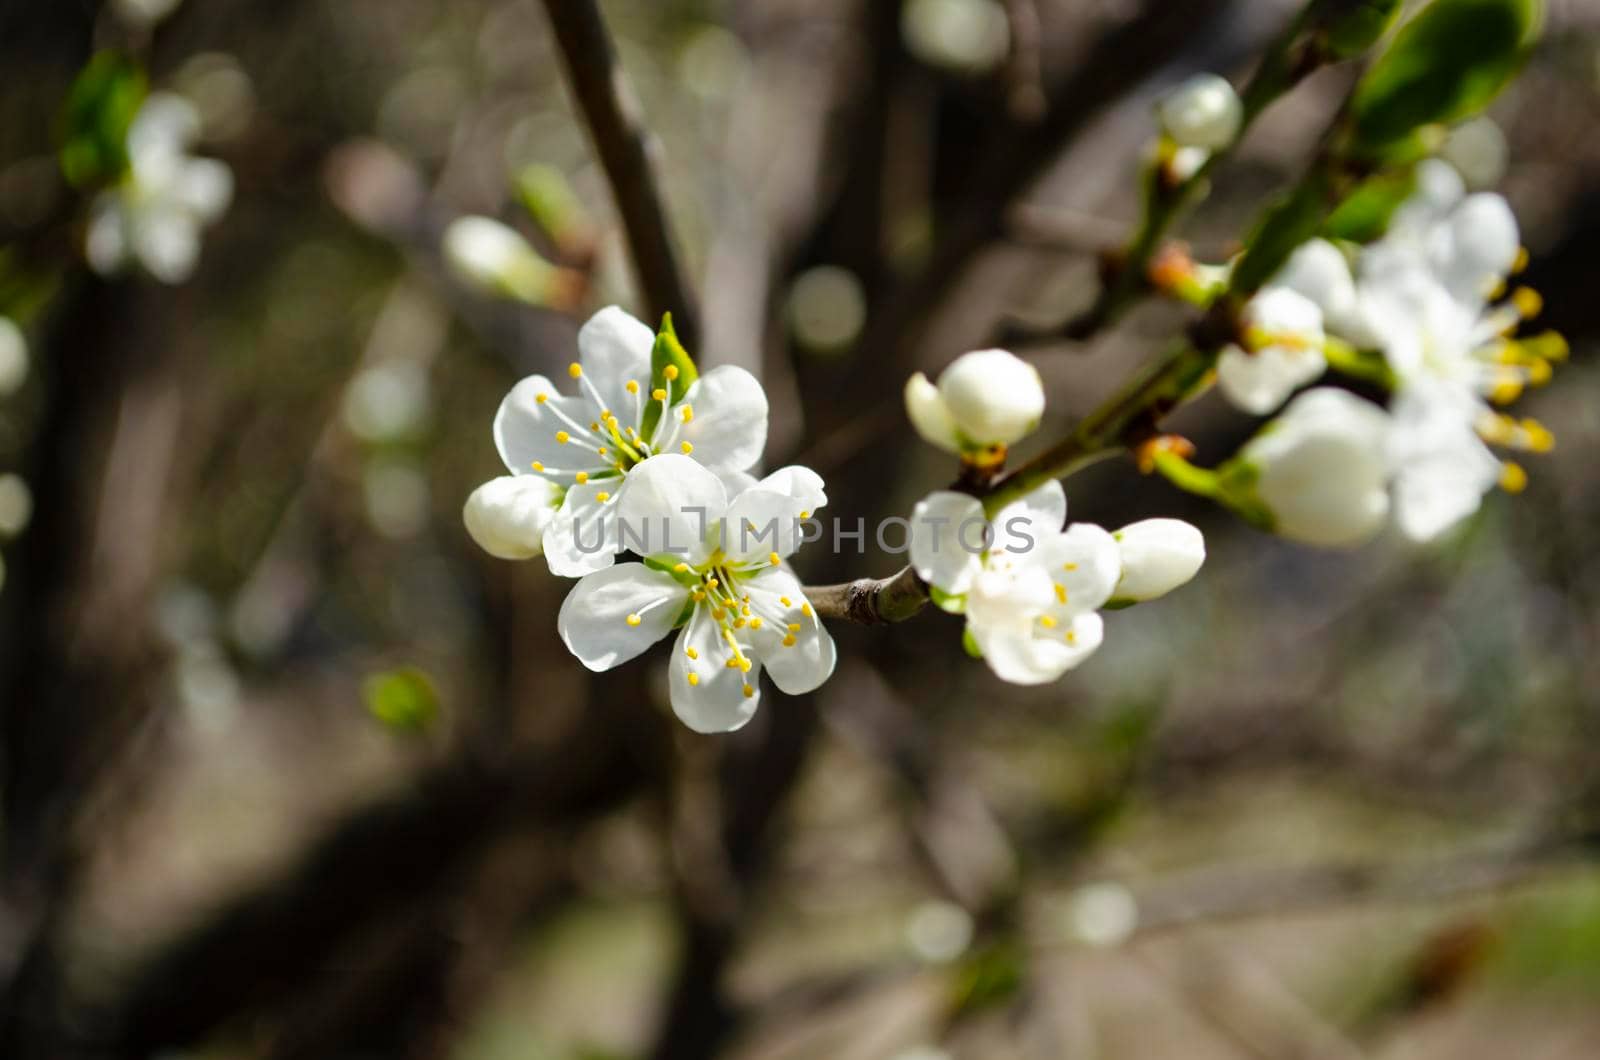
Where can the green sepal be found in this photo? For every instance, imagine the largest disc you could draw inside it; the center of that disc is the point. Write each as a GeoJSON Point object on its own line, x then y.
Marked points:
{"type": "Point", "coordinates": [1236, 489]}
{"type": "Point", "coordinates": [1120, 604]}
{"type": "Point", "coordinates": [955, 605]}
{"type": "Point", "coordinates": [969, 644]}
{"type": "Point", "coordinates": [667, 351]}
{"type": "Point", "coordinates": [93, 127]}
{"type": "Point", "coordinates": [1446, 64]}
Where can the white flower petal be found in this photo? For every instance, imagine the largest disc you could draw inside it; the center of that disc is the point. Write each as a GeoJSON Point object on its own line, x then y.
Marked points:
{"type": "Point", "coordinates": [994, 397]}
{"type": "Point", "coordinates": [508, 516]}
{"type": "Point", "coordinates": [595, 617]}
{"type": "Point", "coordinates": [166, 241]}
{"type": "Point", "coordinates": [716, 700]}
{"type": "Point", "coordinates": [1033, 656]}
{"type": "Point", "coordinates": [672, 506]}
{"type": "Point", "coordinates": [1035, 517]}
{"type": "Point", "coordinates": [614, 349]}
{"type": "Point", "coordinates": [583, 536]}
{"type": "Point", "coordinates": [106, 246]}
{"type": "Point", "coordinates": [1477, 247]}
{"type": "Point", "coordinates": [1317, 270]}
{"type": "Point", "coordinates": [1260, 382]}
{"type": "Point", "coordinates": [929, 415]}
{"type": "Point", "coordinates": [1084, 565]}
{"type": "Point", "coordinates": [809, 657]}
{"type": "Point", "coordinates": [948, 535]}
{"type": "Point", "coordinates": [528, 431]}
{"type": "Point", "coordinates": [204, 187]}
{"type": "Point", "coordinates": [729, 428]}
{"type": "Point", "coordinates": [1442, 468]}
{"type": "Point", "coordinates": [1158, 556]}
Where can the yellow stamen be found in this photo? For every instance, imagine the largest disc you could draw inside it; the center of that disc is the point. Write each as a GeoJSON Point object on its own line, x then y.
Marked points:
{"type": "Point", "coordinates": [602, 497]}
{"type": "Point", "coordinates": [805, 515]}
{"type": "Point", "coordinates": [1047, 622]}
{"type": "Point", "coordinates": [731, 664]}
{"type": "Point", "coordinates": [745, 664]}
{"type": "Point", "coordinates": [541, 398]}
{"type": "Point", "coordinates": [681, 568]}
{"type": "Point", "coordinates": [699, 596]}
{"type": "Point", "coordinates": [563, 437]}
{"type": "Point", "coordinates": [749, 693]}
{"type": "Point", "coordinates": [538, 466]}
{"type": "Point", "coordinates": [1513, 479]}
{"type": "Point", "coordinates": [658, 394]}
{"type": "Point", "coordinates": [794, 627]}
{"type": "Point", "coordinates": [1539, 372]}
{"type": "Point", "coordinates": [1540, 440]}
{"type": "Point", "coordinates": [805, 609]}
{"type": "Point", "coordinates": [574, 369]}
{"type": "Point", "coordinates": [1506, 391]}
{"type": "Point", "coordinates": [632, 387]}
{"type": "Point", "coordinates": [1061, 593]}
{"type": "Point", "coordinates": [688, 413]}
{"type": "Point", "coordinates": [1070, 567]}
{"type": "Point", "coordinates": [785, 601]}
{"type": "Point", "coordinates": [670, 371]}
{"type": "Point", "coordinates": [634, 619]}
{"type": "Point", "coordinates": [755, 623]}
{"type": "Point", "coordinates": [691, 653]}
{"type": "Point", "coordinates": [1521, 261]}
{"type": "Point", "coordinates": [788, 640]}
{"type": "Point", "coordinates": [687, 448]}
{"type": "Point", "coordinates": [774, 559]}
{"type": "Point", "coordinates": [582, 477]}
{"type": "Point", "coordinates": [738, 623]}
{"type": "Point", "coordinates": [1072, 636]}
{"type": "Point", "coordinates": [1528, 302]}
{"type": "Point", "coordinates": [694, 679]}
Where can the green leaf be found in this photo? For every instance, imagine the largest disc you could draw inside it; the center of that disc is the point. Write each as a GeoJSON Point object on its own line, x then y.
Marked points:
{"type": "Point", "coordinates": [1444, 65]}
{"type": "Point", "coordinates": [1295, 218]}
{"type": "Point", "coordinates": [668, 352]}
{"type": "Point", "coordinates": [1364, 216]}
{"type": "Point", "coordinates": [1350, 27]}
{"type": "Point", "coordinates": [403, 699]}
{"type": "Point", "coordinates": [93, 127]}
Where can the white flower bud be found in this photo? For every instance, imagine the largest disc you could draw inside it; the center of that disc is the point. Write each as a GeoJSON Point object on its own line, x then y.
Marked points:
{"type": "Point", "coordinates": [140, 13]}
{"type": "Point", "coordinates": [926, 409]}
{"type": "Point", "coordinates": [13, 357]}
{"type": "Point", "coordinates": [507, 516]}
{"type": "Point", "coordinates": [1158, 556]}
{"type": "Point", "coordinates": [495, 259]}
{"type": "Point", "coordinates": [1202, 112]}
{"type": "Point", "coordinates": [992, 397]}
{"type": "Point", "coordinates": [1321, 469]}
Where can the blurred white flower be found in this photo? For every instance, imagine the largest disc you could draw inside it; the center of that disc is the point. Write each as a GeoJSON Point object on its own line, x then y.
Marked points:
{"type": "Point", "coordinates": [13, 357]}
{"type": "Point", "coordinates": [1203, 112]}
{"type": "Point", "coordinates": [141, 13]}
{"type": "Point", "coordinates": [495, 259]}
{"type": "Point", "coordinates": [1478, 151]}
{"type": "Point", "coordinates": [737, 603]}
{"type": "Point", "coordinates": [1103, 914]}
{"type": "Point", "coordinates": [1285, 336]}
{"type": "Point", "coordinates": [589, 445]}
{"type": "Point", "coordinates": [397, 498]}
{"type": "Point", "coordinates": [967, 36]}
{"type": "Point", "coordinates": [1158, 556]}
{"type": "Point", "coordinates": [388, 402]}
{"type": "Point", "coordinates": [939, 931]}
{"type": "Point", "coordinates": [984, 399]}
{"type": "Point", "coordinates": [1321, 469]}
{"type": "Point", "coordinates": [167, 197]}
{"type": "Point", "coordinates": [16, 505]}
{"type": "Point", "coordinates": [1031, 591]}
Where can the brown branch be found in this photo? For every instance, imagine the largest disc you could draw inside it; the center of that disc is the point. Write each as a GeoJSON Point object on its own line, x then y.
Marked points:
{"type": "Point", "coordinates": [629, 153]}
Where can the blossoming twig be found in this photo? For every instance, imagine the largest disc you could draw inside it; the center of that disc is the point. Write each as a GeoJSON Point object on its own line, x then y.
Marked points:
{"type": "Point", "coordinates": [626, 147]}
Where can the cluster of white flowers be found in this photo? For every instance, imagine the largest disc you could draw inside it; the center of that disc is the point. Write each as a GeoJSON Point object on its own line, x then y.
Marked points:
{"type": "Point", "coordinates": [635, 461]}
{"type": "Point", "coordinates": [1031, 588]}
{"type": "Point", "coordinates": [1426, 299]}
{"type": "Point", "coordinates": [165, 199]}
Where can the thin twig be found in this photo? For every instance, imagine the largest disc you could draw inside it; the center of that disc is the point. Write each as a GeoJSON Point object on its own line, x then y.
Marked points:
{"type": "Point", "coordinates": [628, 152]}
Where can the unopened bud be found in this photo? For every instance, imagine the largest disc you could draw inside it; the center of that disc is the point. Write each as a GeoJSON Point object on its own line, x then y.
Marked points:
{"type": "Point", "coordinates": [1203, 112]}
{"type": "Point", "coordinates": [507, 516]}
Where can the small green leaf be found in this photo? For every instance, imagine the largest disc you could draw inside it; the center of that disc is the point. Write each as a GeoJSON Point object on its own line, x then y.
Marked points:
{"type": "Point", "coordinates": [93, 127]}
{"type": "Point", "coordinates": [668, 352]}
{"type": "Point", "coordinates": [548, 197]}
{"type": "Point", "coordinates": [1444, 65]}
{"type": "Point", "coordinates": [403, 699]}
{"type": "Point", "coordinates": [1364, 216]}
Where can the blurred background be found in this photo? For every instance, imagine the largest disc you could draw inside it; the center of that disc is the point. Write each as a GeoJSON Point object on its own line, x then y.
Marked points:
{"type": "Point", "coordinates": [293, 770]}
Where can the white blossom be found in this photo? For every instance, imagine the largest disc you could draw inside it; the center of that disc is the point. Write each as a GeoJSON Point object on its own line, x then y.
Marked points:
{"type": "Point", "coordinates": [1157, 556]}
{"type": "Point", "coordinates": [508, 516]}
{"type": "Point", "coordinates": [495, 259]}
{"type": "Point", "coordinates": [1031, 591]}
{"type": "Point", "coordinates": [715, 571]}
{"type": "Point", "coordinates": [588, 445]}
{"type": "Point", "coordinates": [1321, 470]}
{"type": "Point", "coordinates": [165, 199]}
{"type": "Point", "coordinates": [1284, 329]}
{"type": "Point", "coordinates": [1203, 112]}
{"type": "Point", "coordinates": [13, 357]}
{"type": "Point", "coordinates": [983, 399]}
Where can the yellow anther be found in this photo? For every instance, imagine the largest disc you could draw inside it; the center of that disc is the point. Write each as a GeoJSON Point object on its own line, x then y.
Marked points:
{"type": "Point", "coordinates": [749, 693]}
{"type": "Point", "coordinates": [712, 583]}
{"type": "Point", "coordinates": [788, 640]}
{"type": "Point", "coordinates": [1069, 567]}
{"type": "Point", "coordinates": [574, 369]}
{"type": "Point", "coordinates": [744, 609]}
{"type": "Point", "coordinates": [699, 596]}
{"type": "Point", "coordinates": [658, 394]}
{"type": "Point", "coordinates": [670, 371]}
{"type": "Point", "coordinates": [602, 497]}
{"type": "Point", "coordinates": [563, 437]}
{"type": "Point", "coordinates": [1072, 636]}
{"type": "Point", "coordinates": [1061, 593]}
{"type": "Point", "coordinates": [538, 466]}
{"type": "Point", "coordinates": [755, 623]}
{"type": "Point", "coordinates": [738, 623]}
{"type": "Point", "coordinates": [1506, 391]}
{"type": "Point", "coordinates": [745, 664]}
{"type": "Point", "coordinates": [1047, 622]}
{"type": "Point", "coordinates": [785, 601]}
{"type": "Point", "coordinates": [541, 398]}
{"type": "Point", "coordinates": [731, 664]}
{"type": "Point", "coordinates": [1513, 479]}
{"type": "Point", "coordinates": [718, 615]}
{"type": "Point", "coordinates": [805, 609]}
{"type": "Point", "coordinates": [1521, 261]}
{"type": "Point", "coordinates": [687, 448]}
{"type": "Point", "coordinates": [593, 426]}
{"type": "Point", "coordinates": [681, 568]}
{"type": "Point", "coordinates": [794, 627]}
{"type": "Point", "coordinates": [688, 413]}
{"type": "Point", "coordinates": [634, 619]}
{"type": "Point", "coordinates": [1539, 372]}
{"type": "Point", "coordinates": [774, 559]}
{"type": "Point", "coordinates": [1528, 302]}
{"type": "Point", "coordinates": [805, 515]}
{"type": "Point", "coordinates": [601, 450]}
{"type": "Point", "coordinates": [691, 653]}
{"type": "Point", "coordinates": [694, 679]}
{"type": "Point", "coordinates": [1540, 440]}
{"type": "Point", "coordinates": [632, 387]}
{"type": "Point", "coordinates": [582, 477]}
